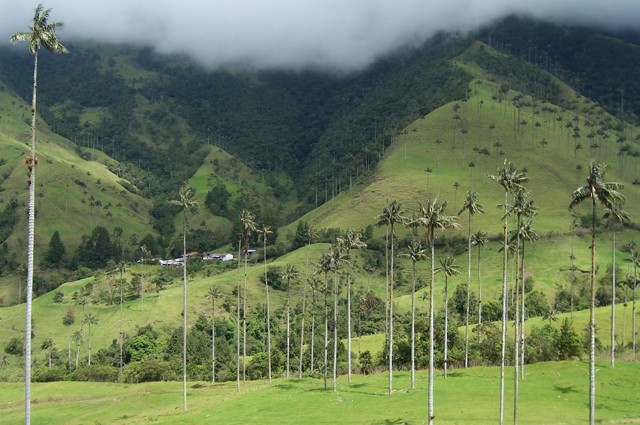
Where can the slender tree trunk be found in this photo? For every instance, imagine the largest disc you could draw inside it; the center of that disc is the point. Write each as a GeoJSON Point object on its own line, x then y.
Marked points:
{"type": "Point", "coordinates": [304, 300]}
{"type": "Point", "coordinates": [479, 300]}
{"type": "Point", "coordinates": [288, 330]}
{"type": "Point", "coordinates": [466, 317]}
{"type": "Point", "coordinates": [121, 331]}
{"type": "Point", "coordinates": [391, 318]}
{"type": "Point", "coordinates": [446, 324]}
{"type": "Point", "coordinates": [516, 357]}
{"type": "Point", "coordinates": [413, 326]}
{"type": "Point", "coordinates": [32, 162]}
{"type": "Point", "coordinates": [431, 324]}
{"type": "Point", "coordinates": [266, 291]}
{"type": "Point", "coordinates": [335, 330]}
{"type": "Point", "coordinates": [633, 312]}
{"type": "Point", "coordinates": [505, 295]}
{"type": "Point", "coordinates": [244, 319]}
{"type": "Point", "coordinates": [89, 346]}
{"type": "Point", "coordinates": [69, 351]}
{"type": "Point", "coordinates": [213, 342]}
{"type": "Point", "coordinates": [238, 322]}
{"type": "Point", "coordinates": [184, 311]}
{"type": "Point", "coordinates": [313, 328]}
{"type": "Point", "coordinates": [349, 322]}
{"type": "Point", "coordinates": [592, 320]}
{"type": "Point", "coordinates": [523, 334]}
{"type": "Point", "coordinates": [326, 328]}
{"type": "Point", "coordinates": [613, 300]}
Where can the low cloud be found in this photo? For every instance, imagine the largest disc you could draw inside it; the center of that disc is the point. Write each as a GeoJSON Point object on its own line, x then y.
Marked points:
{"type": "Point", "coordinates": [341, 35]}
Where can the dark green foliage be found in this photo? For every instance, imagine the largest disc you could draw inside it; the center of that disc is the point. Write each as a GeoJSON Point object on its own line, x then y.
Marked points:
{"type": "Point", "coordinates": [58, 297]}
{"type": "Point", "coordinates": [49, 374]}
{"type": "Point", "coordinates": [274, 278]}
{"type": "Point", "coordinates": [56, 252]}
{"type": "Point", "coordinates": [149, 369]}
{"type": "Point", "coordinates": [96, 373]}
{"type": "Point", "coordinates": [97, 250]}
{"type": "Point", "coordinates": [217, 198]}
{"type": "Point", "coordinates": [301, 237]}
{"type": "Point", "coordinates": [15, 346]}
{"type": "Point", "coordinates": [8, 219]}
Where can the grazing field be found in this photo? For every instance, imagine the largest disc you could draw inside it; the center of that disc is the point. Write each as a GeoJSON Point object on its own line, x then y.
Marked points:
{"type": "Point", "coordinates": [552, 393]}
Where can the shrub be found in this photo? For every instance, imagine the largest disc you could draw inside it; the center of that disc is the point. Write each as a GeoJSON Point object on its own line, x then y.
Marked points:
{"type": "Point", "coordinates": [15, 346]}
{"type": "Point", "coordinates": [46, 374]}
{"type": "Point", "coordinates": [96, 374]}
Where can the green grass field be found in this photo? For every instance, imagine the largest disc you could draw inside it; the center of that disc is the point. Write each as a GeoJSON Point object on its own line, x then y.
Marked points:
{"type": "Point", "coordinates": [552, 393]}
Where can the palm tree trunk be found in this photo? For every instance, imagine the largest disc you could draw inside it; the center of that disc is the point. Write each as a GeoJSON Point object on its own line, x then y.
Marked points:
{"type": "Point", "coordinates": [335, 330]}
{"type": "Point", "coordinates": [516, 357]}
{"type": "Point", "coordinates": [69, 351]}
{"type": "Point", "coordinates": [184, 311]}
{"type": "Point", "coordinates": [313, 328]}
{"type": "Point", "coordinates": [633, 313]}
{"type": "Point", "coordinates": [266, 291]}
{"type": "Point", "coordinates": [326, 329]}
{"type": "Point", "coordinates": [446, 324]}
{"type": "Point", "coordinates": [413, 326]}
{"type": "Point", "coordinates": [349, 323]}
{"type": "Point", "coordinates": [30, 243]}
{"type": "Point", "coordinates": [522, 316]}
{"type": "Point", "coordinates": [466, 317]}
{"type": "Point", "coordinates": [288, 331]}
{"type": "Point", "coordinates": [213, 342]}
{"type": "Point", "coordinates": [431, 324]}
{"type": "Point", "coordinates": [613, 299]}
{"type": "Point", "coordinates": [479, 300]}
{"type": "Point", "coordinates": [304, 300]}
{"type": "Point", "coordinates": [89, 345]}
{"type": "Point", "coordinates": [238, 321]}
{"type": "Point", "coordinates": [505, 294]}
{"type": "Point", "coordinates": [391, 318]}
{"type": "Point", "coordinates": [592, 320]}
{"type": "Point", "coordinates": [244, 321]}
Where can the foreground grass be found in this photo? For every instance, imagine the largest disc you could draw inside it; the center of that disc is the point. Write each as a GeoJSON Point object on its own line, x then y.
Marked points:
{"type": "Point", "coordinates": [552, 393]}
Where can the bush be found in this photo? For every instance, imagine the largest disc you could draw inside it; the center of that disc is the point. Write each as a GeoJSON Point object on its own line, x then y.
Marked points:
{"type": "Point", "coordinates": [147, 370]}
{"type": "Point", "coordinates": [15, 346]}
{"type": "Point", "coordinates": [96, 374]}
{"type": "Point", "coordinates": [46, 374]}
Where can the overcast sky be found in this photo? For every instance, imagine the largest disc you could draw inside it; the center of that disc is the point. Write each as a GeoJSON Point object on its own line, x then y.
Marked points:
{"type": "Point", "coordinates": [293, 34]}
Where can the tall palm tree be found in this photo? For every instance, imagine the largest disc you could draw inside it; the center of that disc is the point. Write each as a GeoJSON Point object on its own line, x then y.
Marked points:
{"type": "Point", "coordinates": [607, 194]}
{"type": "Point", "coordinates": [248, 223]}
{"type": "Point", "coordinates": [448, 267]}
{"type": "Point", "coordinates": [325, 266]}
{"type": "Point", "coordinates": [266, 230]}
{"type": "Point", "coordinates": [351, 240]}
{"type": "Point", "coordinates": [510, 179]}
{"type": "Point", "coordinates": [432, 216]}
{"type": "Point", "coordinates": [213, 294]}
{"type": "Point", "coordinates": [42, 33]}
{"type": "Point", "coordinates": [48, 345]}
{"type": "Point", "coordinates": [89, 319]}
{"type": "Point", "coordinates": [472, 207]}
{"type": "Point", "coordinates": [391, 215]}
{"type": "Point", "coordinates": [238, 314]}
{"type": "Point", "coordinates": [289, 274]}
{"type": "Point", "coordinates": [479, 240]}
{"type": "Point", "coordinates": [635, 258]}
{"type": "Point", "coordinates": [312, 234]}
{"type": "Point", "coordinates": [186, 202]}
{"type": "Point", "coordinates": [614, 216]}
{"type": "Point", "coordinates": [315, 286]}
{"type": "Point", "coordinates": [145, 254]}
{"type": "Point", "coordinates": [336, 262]}
{"type": "Point", "coordinates": [415, 253]}
{"type": "Point", "coordinates": [527, 234]}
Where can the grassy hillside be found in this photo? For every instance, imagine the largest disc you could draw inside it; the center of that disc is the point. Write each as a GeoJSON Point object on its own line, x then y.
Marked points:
{"type": "Point", "coordinates": [552, 393]}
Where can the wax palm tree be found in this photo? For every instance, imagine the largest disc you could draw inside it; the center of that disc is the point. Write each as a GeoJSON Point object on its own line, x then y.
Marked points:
{"type": "Point", "coordinates": [432, 216]}
{"type": "Point", "coordinates": [213, 294]}
{"type": "Point", "coordinates": [89, 319]}
{"type": "Point", "coordinates": [315, 286]}
{"type": "Point", "coordinates": [42, 33]}
{"type": "Point", "coordinates": [608, 195]}
{"type": "Point", "coordinates": [185, 201]}
{"type": "Point", "coordinates": [391, 215]}
{"type": "Point", "coordinates": [145, 254]}
{"type": "Point", "coordinates": [77, 338]}
{"type": "Point", "coordinates": [325, 266]}
{"type": "Point", "coordinates": [238, 292]}
{"type": "Point", "coordinates": [614, 216]}
{"type": "Point", "coordinates": [472, 207]}
{"type": "Point", "coordinates": [312, 234]}
{"type": "Point", "coordinates": [249, 225]}
{"type": "Point", "coordinates": [527, 234]}
{"type": "Point", "coordinates": [289, 274]}
{"type": "Point", "coordinates": [448, 268]}
{"type": "Point", "coordinates": [336, 261]}
{"type": "Point", "coordinates": [479, 240]}
{"type": "Point", "coordinates": [351, 240]}
{"type": "Point", "coordinates": [415, 253]}
{"type": "Point", "coordinates": [510, 179]}
{"type": "Point", "coordinates": [635, 258]}
{"type": "Point", "coordinates": [48, 345]}
{"type": "Point", "coordinates": [266, 230]}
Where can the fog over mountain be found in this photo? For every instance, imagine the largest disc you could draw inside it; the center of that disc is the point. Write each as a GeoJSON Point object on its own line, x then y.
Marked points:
{"type": "Point", "coordinates": [339, 35]}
